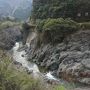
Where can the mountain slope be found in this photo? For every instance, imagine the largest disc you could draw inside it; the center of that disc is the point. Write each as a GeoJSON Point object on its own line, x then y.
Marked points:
{"type": "Point", "coordinates": [23, 10]}
{"type": "Point", "coordinates": [19, 9]}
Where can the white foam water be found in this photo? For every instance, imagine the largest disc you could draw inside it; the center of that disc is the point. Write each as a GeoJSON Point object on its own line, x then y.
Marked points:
{"type": "Point", "coordinates": [20, 57]}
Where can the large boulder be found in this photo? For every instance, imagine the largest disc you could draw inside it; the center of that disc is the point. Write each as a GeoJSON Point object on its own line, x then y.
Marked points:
{"type": "Point", "coordinates": [9, 36]}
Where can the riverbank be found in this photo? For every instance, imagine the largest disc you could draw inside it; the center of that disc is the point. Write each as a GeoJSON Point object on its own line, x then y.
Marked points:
{"type": "Point", "coordinates": [48, 79]}
{"type": "Point", "coordinates": [14, 77]}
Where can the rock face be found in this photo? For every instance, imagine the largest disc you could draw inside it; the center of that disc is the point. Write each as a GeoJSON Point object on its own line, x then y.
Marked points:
{"type": "Point", "coordinates": [69, 59]}
{"type": "Point", "coordinates": [9, 36]}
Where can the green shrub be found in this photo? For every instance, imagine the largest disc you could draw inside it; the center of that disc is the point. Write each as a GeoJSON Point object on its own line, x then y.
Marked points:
{"type": "Point", "coordinates": [60, 24]}
{"type": "Point", "coordinates": [7, 24]}
{"type": "Point", "coordinates": [55, 30]}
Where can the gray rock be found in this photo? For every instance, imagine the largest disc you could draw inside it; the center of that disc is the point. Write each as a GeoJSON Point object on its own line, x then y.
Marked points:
{"type": "Point", "coordinates": [86, 63]}
{"type": "Point", "coordinates": [85, 80]}
{"type": "Point", "coordinates": [9, 36]}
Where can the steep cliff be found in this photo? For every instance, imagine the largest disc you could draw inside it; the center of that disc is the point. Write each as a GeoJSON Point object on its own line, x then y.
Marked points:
{"type": "Point", "coordinates": [62, 45]}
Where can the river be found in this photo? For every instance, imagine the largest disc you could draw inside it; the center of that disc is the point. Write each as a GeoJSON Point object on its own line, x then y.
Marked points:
{"type": "Point", "coordinates": [21, 57]}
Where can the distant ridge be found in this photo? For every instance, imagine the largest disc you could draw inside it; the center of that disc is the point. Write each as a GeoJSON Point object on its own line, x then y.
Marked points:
{"type": "Point", "coordinates": [19, 9]}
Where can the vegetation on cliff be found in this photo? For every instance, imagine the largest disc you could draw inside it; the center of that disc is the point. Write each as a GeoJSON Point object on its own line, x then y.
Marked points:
{"type": "Point", "coordinates": [56, 17]}
{"type": "Point", "coordinates": [59, 24]}
{"type": "Point", "coordinates": [55, 30]}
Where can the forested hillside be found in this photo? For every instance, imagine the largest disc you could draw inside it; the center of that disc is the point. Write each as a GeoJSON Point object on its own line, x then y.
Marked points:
{"type": "Point", "coordinates": [75, 9]}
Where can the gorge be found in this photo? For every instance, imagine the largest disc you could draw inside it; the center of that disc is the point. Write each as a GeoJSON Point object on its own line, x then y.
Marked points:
{"type": "Point", "coordinates": [49, 49]}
